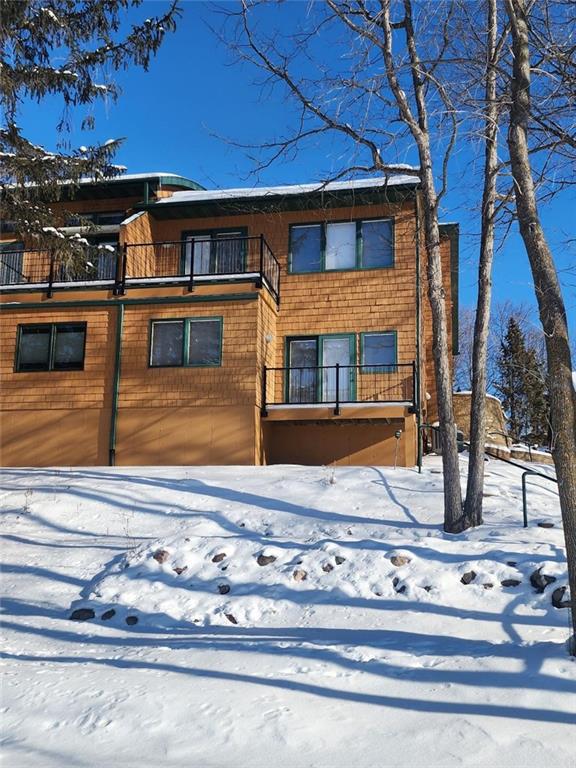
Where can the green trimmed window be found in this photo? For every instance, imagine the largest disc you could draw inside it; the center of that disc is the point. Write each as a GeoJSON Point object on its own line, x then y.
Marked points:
{"type": "Point", "coordinates": [378, 352]}
{"type": "Point", "coordinates": [190, 342]}
{"type": "Point", "coordinates": [330, 246]}
{"type": "Point", "coordinates": [51, 347]}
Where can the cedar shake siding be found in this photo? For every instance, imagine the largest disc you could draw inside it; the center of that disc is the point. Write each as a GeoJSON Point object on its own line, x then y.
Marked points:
{"type": "Point", "coordinates": [188, 345]}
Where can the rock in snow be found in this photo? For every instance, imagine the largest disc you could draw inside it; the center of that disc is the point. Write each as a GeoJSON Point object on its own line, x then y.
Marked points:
{"type": "Point", "coordinates": [541, 580]}
{"type": "Point", "coordinates": [558, 600]}
{"type": "Point", "coordinates": [82, 614]}
{"type": "Point", "coordinates": [265, 559]}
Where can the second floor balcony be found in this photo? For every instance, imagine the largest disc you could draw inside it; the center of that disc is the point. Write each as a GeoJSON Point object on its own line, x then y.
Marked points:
{"type": "Point", "coordinates": [189, 262]}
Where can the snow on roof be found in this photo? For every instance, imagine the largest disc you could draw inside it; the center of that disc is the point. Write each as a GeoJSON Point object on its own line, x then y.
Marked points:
{"type": "Point", "coordinates": [131, 177]}
{"type": "Point", "coordinates": [189, 196]}
{"type": "Point", "coordinates": [469, 393]}
{"type": "Point", "coordinates": [132, 218]}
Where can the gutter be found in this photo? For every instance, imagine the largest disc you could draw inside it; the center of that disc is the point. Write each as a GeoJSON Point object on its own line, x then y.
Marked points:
{"type": "Point", "coordinates": [418, 336]}
{"type": "Point", "coordinates": [116, 385]}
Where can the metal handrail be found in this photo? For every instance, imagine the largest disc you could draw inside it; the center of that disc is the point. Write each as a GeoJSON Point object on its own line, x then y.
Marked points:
{"type": "Point", "coordinates": [41, 266]}
{"type": "Point", "coordinates": [334, 397]}
{"type": "Point", "coordinates": [524, 494]}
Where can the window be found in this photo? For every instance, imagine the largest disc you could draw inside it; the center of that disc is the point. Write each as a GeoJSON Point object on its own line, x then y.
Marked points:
{"type": "Point", "coordinates": [366, 244]}
{"type": "Point", "coordinates": [194, 342]}
{"type": "Point", "coordinates": [100, 218]}
{"type": "Point", "coordinates": [306, 248]}
{"type": "Point", "coordinates": [378, 352]}
{"type": "Point", "coordinates": [11, 263]}
{"type": "Point", "coordinates": [51, 347]}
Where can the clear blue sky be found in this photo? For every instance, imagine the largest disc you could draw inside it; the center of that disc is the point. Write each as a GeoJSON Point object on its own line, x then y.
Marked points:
{"type": "Point", "coordinates": [178, 116]}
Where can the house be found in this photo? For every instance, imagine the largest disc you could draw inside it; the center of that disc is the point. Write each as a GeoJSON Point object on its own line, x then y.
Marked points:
{"type": "Point", "coordinates": [241, 326]}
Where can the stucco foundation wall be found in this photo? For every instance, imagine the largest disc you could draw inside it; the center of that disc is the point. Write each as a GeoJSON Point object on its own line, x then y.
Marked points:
{"type": "Point", "coordinates": [44, 438]}
{"type": "Point", "coordinates": [186, 436]}
{"type": "Point", "coordinates": [333, 442]}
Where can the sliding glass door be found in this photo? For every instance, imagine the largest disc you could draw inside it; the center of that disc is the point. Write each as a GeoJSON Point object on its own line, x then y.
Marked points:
{"type": "Point", "coordinates": [215, 253]}
{"type": "Point", "coordinates": [312, 369]}
{"type": "Point", "coordinates": [337, 350]}
{"type": "Point", "coordinates": [303, 374]}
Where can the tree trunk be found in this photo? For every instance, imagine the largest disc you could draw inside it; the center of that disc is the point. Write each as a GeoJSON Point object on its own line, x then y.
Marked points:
{"type": "Point", "coordinates": [453, 518]}
{"type": "Point", "coordinates": [475, 483]}
{"type": "Point", "coordinates": [548, 293]}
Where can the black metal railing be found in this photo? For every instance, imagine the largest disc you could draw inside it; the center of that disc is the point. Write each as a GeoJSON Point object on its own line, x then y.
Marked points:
{"type": "Point", "coordinates": [52, 268]}
{"type": "Point", "coordinates": [337, 385]}
{"type": "Point", "coordinates": [191, 261]}
{"type": "Point", "coordinates": [200, 259]}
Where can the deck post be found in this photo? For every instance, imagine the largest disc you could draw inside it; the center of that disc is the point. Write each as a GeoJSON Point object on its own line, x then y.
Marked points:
{"type": "Point", "coordinates": [337, 408]}
{"type": "Point", "coordinates": [50, 292]}
{"type": "Point", "coordinates": [263, 409]}
{"type": "Point", "coordinates": [191, 275]}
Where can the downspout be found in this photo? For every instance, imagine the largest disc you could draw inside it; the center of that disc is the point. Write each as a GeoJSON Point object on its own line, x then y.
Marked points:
{"type": "Point", "coordinates": [418, 392]}
{"type": "Point", "coordinates": [116, 385]}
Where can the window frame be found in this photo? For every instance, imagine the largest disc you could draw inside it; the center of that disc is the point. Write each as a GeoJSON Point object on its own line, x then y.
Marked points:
{"type": "Point", "coordinates": [319, 338]}
{"type": "Point", "coordinates": [359, 244]}
{"type": "Point", "coordinates": [53, 331]}
{"type": "Point", "coordinates": [384, 367]}
{"type": "Point", "coordinates": [186, 341]}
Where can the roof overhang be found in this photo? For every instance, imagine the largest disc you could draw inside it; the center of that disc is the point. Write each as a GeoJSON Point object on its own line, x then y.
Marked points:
{"type": "Point", "coordinates": [274, 203]}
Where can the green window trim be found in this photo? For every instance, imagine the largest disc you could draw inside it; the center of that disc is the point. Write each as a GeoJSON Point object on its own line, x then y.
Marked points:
{"type": "Point", "coordinates": [359, 245]}
{"type": "Point", "coordinates": [186, 321]}
{"type": "Point", "coordinates": [319, 338]}
{"type": "Point", "coordinates": [52, 365]}
{"type": "Point", "coordinates": [385, 367]}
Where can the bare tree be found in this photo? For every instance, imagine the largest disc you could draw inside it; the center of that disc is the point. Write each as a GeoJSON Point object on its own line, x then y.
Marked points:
{"type": "Point", "coordinates": [475, 482]}
{"type": "Point", "coordinates": [523, 111]}
{"type": "Point", "coordinates": [388, 91]}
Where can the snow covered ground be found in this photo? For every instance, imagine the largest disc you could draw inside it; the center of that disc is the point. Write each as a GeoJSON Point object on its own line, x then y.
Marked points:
{"type": "Point", "coordinates": [358, 645]}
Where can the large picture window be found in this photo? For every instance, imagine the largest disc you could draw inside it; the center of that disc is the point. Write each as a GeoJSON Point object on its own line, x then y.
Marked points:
{"type": "Point", "coordinates": [364, 244]}
{"type": "Point", "coordinates": [51, 347]}
{"type": "Point", "coordinates": [191, 341]}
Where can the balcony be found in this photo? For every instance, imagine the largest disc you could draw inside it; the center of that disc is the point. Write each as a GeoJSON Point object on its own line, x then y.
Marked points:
{"type": "Point", "coordinates": [356, 390]}
{"type": "Point", "coordinates": [191, 262]}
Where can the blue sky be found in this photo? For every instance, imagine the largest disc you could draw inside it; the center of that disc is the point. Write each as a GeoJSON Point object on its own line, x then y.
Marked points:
{"type": "Point", "coordinates": [185, 114]}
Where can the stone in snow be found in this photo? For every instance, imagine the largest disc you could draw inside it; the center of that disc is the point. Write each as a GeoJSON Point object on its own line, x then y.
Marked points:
{"type": "Point", "coordinates": [558, 598]}
{"type": "Point", "coordinates": [131, 620]}
{"type": "Point", "coordinates": [231, 618]}
{"type": "Point", "coordinates": [219, 557]}
{"type": "Point", "coordinates": [339, 559]}
{"type": "Point", "coordinates": [180, 569]}
{"type": "Point", "coordinates": [108, 614]}
{"type": "Point", "coordinates": [327, 567]}
{"type": "Point", "coordinates": [82, 614]}
{"type": "Point", "coordinates": [510, 582]}
{"type": "Point", "coordinates": [161, 555]}
{"type": "Point", "coordinates": [545, 525]}
{"type": "Point", "coordinates": [223, 589]}
{"type": "Point", "coordinates": [399, 560]}
{"type": "Point", "coordinates": [265, 559]}
{"type": "Point", "coordinates": [468, 577]}
{"type": "Point", "coordinates": [541, 580]}
{"type": "Point", "coordinates": [300, 575]}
